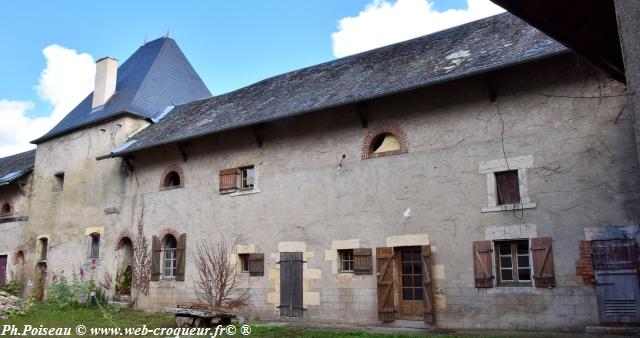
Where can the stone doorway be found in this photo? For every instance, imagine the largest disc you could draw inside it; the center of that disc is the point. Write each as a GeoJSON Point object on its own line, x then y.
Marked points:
{"type": "Point", "coordinates": [124, 271]}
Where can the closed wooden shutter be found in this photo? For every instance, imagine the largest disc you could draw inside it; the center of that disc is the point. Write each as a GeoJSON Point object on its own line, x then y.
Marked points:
{"type": "Point", "coordinates": [508, 187]}
{"type": "Point", "coordinates": [181, 254]}
{"type": "Point", "coordinates": [155, 258]}
{"type": "Point", "coordinates": [228, 180]}
{"type": "Point", "coordinates": [427, 282]}
{"type": "Point", "coordinates": [291, 284]}
{"type": "Point", "coordinates": [384, 269]}
{"type": "Point", "coordinates": [256, 264]}
{"type": "Point", "coordinates": [543, 273]}
{"type": "Point", "coordinates": [362, 264]}
{"type": "Point", "coordinates": [482, 266]}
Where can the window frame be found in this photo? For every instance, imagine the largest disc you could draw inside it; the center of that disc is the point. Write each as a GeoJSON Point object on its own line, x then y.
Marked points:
{"type": "Point", "coordinates": [522, 164]}
{"type": "Point", "coordinates": [58, 181]}
{"type": "Point", "coordinates": [93, 245]}
{"type": "Point", "coordinates": [244, 262]}
{"type": "Point", "coordinates": [243, 179]}
{"type": "Point", "coordinates": [515, 268]}
{"type": "Point", "coordinates": [173, 252]}
{"type": "Point", "coordinates": [346, 256]}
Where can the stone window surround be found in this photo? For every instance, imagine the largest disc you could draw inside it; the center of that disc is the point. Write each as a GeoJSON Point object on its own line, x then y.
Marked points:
{"type": "Point", "coordinates": [387, 128]}
{"type": "Point", "coordinates": [489, 168]}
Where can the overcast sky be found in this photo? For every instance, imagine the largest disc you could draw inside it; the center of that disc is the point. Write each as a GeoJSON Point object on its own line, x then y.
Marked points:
{"type": "Point", "coordinates": [49, 48]}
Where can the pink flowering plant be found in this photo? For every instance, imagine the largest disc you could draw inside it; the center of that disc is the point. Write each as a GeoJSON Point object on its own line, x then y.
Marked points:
{"type": "Point", "coordinates": [70, 293]}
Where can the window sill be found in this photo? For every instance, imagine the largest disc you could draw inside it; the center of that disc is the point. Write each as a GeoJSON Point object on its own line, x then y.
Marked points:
{"type": "Point", "coordinates": [513, 290]}
{"type": "Point", "coordinates": [508, 207]}
{"type": "Point", "coordinates": [244, 192]}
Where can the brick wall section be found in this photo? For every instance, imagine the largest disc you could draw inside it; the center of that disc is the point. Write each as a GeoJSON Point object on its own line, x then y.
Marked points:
{"type": "Point", "coordinates": [387, 128]}
{"type": "Point", "coordinates": [584, 264]}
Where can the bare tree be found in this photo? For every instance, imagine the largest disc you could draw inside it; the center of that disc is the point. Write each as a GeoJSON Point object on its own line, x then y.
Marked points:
{"type": "Point", "coordinates": [217, 282]}
{"type": "Point", "coordinates": [140, 262]}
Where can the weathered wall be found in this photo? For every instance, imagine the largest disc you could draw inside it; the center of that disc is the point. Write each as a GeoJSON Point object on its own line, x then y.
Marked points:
{"type": "Point", "coordinates": [583, 174]}
{"type": "Point", "coordinates": [66, 217]}
{"type": "Point", "coordinates": [13, 225]}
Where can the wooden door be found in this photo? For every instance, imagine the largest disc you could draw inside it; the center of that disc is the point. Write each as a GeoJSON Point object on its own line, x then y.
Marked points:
{"type": "Point", "coordinates": [410, 284]}
{"type": "Point", "coordinates": [3, 269]}
{"type": "Point", "coordinates": [384, 273]}
{"type": "Point", "coordinates": [291, 284]}
{"type": "Point", "coordinates": [616, 270]}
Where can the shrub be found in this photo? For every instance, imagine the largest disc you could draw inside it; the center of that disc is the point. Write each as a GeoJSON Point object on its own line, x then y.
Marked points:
{"type": "Point", "coordinates": [14, 286]}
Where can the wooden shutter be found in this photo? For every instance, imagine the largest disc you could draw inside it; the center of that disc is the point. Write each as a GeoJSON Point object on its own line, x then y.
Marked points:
{"type": "Point", "coordinates": [181, 254]}
{"type": "Point", "coordinates": [256, 264]}
{"type": "Point", "coordinates": [508, 187]}
{"type": "Point", "coordinates": [362, 261]}
{"type": "Point", "coordinates": [482, 266]}
{"type": "Point", "coordinates": [614, 254]}
{"type": "Point", "coordinates": [384, 269]}
{"type": "Point", "coordinates": [291, 304]}
{"type": "Point", "coordinates": [228, 180]}
{"type": "Point", "coordinates": [427, 282]}
{"type": "Point", "coordinates": [155, 258]}
{"type": "Point", "coordinates": [543, 273]}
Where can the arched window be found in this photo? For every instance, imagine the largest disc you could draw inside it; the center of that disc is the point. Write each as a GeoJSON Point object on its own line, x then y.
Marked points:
{"type": "Point", "coordinates": [172, 178]}
{"type": "Point", "coordinates": [388, 139]}
{"type": "Point", "coordinates": [6, 209]}
{"type": "Point", "coordinates": [170, 266]}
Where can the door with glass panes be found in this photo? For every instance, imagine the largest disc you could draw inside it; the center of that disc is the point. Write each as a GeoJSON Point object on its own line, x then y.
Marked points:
{"type": "Point", "coordinates": [410, 282]}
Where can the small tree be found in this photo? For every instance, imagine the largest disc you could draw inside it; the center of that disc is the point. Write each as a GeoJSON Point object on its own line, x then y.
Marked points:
{"type": "Point", "coordinates": [217, 282]}
{"type": "Point", "coordinates": [140, 262]}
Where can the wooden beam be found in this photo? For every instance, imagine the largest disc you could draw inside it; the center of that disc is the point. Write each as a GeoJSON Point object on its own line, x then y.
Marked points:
{"type": "Point", "coordinates": [258, 133]}
{"type": "Point", "coordinates": [128, 162]}
{"type": "Point", "coordinates": [182, 147]}
{"type": "Point", "coordinates": [491, 88]}
{"type": "Point", "coordinates": [363, 112]}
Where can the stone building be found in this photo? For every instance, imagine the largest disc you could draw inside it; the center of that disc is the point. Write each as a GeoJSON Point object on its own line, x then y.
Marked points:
{"type": "Point", "coordinates": [462, 179]}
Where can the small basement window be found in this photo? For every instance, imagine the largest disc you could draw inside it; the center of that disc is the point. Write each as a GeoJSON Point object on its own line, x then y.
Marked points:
{"type": "Point", "coordinates": [508, 187]}
{"type": "Point", "coordinates": [244, 262]}
{"type": "Point", "coordinates": [58, 181]}
{"type": "Point", "coordinates": [346, 260]}
{"type": "Point", "coordinates": [513, 263]}
{"type": "Point", "coordinates": [247, 177]}
{"type": "Point", "coordinates": [95, 246]}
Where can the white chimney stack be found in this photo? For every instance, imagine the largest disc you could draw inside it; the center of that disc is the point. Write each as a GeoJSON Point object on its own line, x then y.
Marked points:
{"type": "Point", "coordinates": [106, 74]}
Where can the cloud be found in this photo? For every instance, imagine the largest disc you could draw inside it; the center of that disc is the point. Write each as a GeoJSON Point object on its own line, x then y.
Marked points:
{"type": "Point", "coordinates": [383, 22]}
{"type": "Point", "coordinates": [67, 79]}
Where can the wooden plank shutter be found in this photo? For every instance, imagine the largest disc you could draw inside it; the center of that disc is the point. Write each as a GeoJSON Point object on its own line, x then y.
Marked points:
{"type": "Point", "coordinates": [427, 282]}
{"type": "Point", "coordinates": [256, 264]}
{"type": "Point", "coordinates": [155, 258]}
{"type": "Point", "coordinates": [543, 273]}
{"type": "Point", "coordinates": [614, 254]}
{"type": "Point", "coordinates": [228, 180]}
{"type": "Point", "coordinates": [384, 269]}
{"type": "Point", "coordinates": [508, 187]}
{"type": "Point", "coordinates": [482, 266]}
{"type": "Point", "coordinates": [291, 304]}
{"type": "Point", "coordinates": [181, 254]}
{"type": "Point", "coordinates": [362, 264]}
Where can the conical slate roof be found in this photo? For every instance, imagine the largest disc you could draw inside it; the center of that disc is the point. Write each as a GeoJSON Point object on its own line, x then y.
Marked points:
{"type": "Point", "coordinates": [157, 75]}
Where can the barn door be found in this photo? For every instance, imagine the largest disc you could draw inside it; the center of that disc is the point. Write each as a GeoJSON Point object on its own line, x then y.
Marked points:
{"type": "Point", "coordinates": [3, 269]}
{"type": "Point", "coordinates": [291, 284]}
{"type": "Point", "coordinates": [616, 269]}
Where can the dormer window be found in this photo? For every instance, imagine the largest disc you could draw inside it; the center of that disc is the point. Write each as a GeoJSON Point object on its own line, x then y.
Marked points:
{"type": "Point", "coordinates": [172, 178]}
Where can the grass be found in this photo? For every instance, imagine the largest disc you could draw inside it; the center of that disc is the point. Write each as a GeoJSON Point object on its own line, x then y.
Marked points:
{"type": "Point", "coordinates": [50, 316]}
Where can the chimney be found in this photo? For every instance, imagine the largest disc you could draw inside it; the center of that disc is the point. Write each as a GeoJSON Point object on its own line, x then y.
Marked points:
{"type": "Point", "coordinates": [106, 74]}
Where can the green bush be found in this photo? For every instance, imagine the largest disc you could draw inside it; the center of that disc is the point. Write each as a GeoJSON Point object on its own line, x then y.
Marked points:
{"type": "Point", "coordinates": [14, 286]}
{"type": "Point", "coordinates": [67, 294]}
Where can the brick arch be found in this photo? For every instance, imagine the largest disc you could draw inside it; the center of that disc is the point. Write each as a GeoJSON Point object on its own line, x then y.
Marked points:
{"type": "Point", "coordinates": [172, 168]}
{"type": "Point", "coordinates": [387, 128]}
{"type": "Point", "coordinates": [168, 231]}
{"type": "Point", "coordinates": [128, 235]}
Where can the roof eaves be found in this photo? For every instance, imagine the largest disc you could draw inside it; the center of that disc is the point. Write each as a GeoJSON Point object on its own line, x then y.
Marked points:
{"type": "Point", "coordinates": [11, 177]}
{"type": "Point", "coordinates": [431, 82]}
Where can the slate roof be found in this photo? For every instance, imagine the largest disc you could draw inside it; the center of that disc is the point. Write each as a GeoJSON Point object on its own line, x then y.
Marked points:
{"type": "Point", "coordinates": [477, 47]}
{"type": "Point", "coordinates": [15, 166]}
{"type": "Point", "coordinates": [157, 75]}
